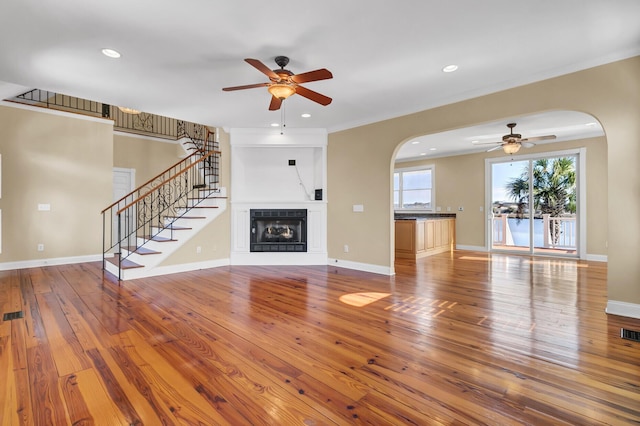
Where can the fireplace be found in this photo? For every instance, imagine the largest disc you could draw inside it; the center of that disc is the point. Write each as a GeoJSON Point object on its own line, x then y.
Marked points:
{"type": "Point", "coordinates": [278, 230]}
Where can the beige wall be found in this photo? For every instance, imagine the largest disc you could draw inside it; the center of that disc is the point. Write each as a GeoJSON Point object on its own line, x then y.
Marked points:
{"type": "Point", "coordinates": [149, 157]}
{"type": "Point", "coordinates": [55, 159]}
{"type": "Point", "coordinates": [611, 93]}
{"type": "Point", "coordinates": [460, 181]}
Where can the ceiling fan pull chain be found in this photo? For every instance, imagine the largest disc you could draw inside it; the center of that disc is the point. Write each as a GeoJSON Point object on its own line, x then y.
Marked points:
{"type": "Point", "coordinates": [282, 118]}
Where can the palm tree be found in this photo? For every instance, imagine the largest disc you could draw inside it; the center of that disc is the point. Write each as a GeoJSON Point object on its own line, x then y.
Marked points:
{"type": "Point", "coordinates": [554, 189]}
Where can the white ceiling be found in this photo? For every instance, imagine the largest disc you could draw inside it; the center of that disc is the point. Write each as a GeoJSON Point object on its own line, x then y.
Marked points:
{"type": "Point", "coordinates": [386, 57]}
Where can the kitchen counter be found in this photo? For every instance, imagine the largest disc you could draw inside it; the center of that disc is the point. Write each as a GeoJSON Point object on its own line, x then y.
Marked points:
{"type": "Point", "coordinates": [424, 216]}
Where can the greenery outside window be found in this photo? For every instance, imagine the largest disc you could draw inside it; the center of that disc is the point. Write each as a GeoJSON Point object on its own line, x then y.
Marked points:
{"type": "Point", "coordinates": [413, 188]}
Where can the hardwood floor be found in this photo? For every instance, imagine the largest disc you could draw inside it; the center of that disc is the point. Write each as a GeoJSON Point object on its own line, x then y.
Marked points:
{"type": "Point", "coordinates": [462, 338]}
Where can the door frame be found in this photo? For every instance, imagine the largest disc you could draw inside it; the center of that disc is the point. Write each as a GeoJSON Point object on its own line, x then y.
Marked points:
{"type": "Point", "coordinates": [132, 185]}
{"type": "Point", "coordinates": [581, 188]}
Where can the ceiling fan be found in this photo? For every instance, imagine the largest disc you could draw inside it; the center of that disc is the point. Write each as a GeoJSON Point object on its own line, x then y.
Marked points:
{"type": "Point", "coordinates": [512, 142]}
{"type": "Point", "coordinates": [283, 83]}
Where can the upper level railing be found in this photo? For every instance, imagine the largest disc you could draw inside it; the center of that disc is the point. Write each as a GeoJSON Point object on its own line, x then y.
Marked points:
{"type": "Point", "coordinates": [142, 123]}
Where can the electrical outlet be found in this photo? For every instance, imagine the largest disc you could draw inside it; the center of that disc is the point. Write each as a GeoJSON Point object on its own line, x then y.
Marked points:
{"type": "Point", "coordinates": [448, 209]}
{"type": "Point", "coordinates": [346, 248]}
{"type": "Point", "coordinates": [40, 247]}
{"type": "Point", "coordinates": [460, 209]}
{"type": "Point", "coordinates": [198, 250]}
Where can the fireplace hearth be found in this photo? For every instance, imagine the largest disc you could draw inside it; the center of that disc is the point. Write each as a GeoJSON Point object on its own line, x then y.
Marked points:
{"type": "Point", "coordinates": [278, 230]}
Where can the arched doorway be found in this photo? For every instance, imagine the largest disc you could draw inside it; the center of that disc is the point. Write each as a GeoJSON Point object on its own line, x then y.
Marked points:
{"type": "Point", "coordinates": [459, 183]}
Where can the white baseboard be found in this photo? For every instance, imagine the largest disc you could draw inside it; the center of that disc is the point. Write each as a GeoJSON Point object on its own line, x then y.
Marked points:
{"type": "Point", "coordinates": [597, 257]}
{"type": "Point", "coordinates": [365, 267]}
{"type": "Point", "coordinates": [470, 248]}
{"type": "Point", "coordinates": [36, 263]}
{"type": "Point", "coordinates": [623, 309]}
{"type": "Point", "coordinates": [129, 274]}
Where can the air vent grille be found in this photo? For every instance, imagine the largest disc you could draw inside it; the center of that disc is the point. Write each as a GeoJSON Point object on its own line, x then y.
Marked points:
{"type": "Point", "coordinates": [12, 315]}
{"type": "Point", "coordinates": [630, 334]}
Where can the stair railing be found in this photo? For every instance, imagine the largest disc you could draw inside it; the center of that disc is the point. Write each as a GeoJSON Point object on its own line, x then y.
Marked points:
{"type": "Point", "coordinates": [141, 215]}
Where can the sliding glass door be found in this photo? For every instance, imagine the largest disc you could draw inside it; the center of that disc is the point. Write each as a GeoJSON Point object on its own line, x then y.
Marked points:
{"type": "Point", "coordinates": [534, 205]}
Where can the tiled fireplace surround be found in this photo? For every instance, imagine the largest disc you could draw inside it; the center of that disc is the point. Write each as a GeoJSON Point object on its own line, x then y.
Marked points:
{"type": "Point", "coordinates": [264, 177]}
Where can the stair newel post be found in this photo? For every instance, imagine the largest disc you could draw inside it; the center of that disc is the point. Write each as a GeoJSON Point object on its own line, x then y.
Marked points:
{"type": "Point", "coordinates": [119, 247]}
{"type": "Point", "coordinates": [104, 242]}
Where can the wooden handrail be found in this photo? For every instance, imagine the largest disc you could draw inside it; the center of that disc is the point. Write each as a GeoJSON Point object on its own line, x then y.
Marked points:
{"type": "Point", "coordinates": [160, 174]}
{"type": "Point", "coordinates": [149, 181]}
{"type": "Point", "coordinates": [204, 157]}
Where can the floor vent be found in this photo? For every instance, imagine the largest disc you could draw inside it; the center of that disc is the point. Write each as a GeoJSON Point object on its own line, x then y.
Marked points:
{"type": "Point", "coordinates": [630, 334]}
{"type": "Point", "coordinates": [12, 315]}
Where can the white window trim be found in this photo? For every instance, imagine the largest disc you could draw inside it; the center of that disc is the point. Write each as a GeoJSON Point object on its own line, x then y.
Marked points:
{"type": "Point", "coordinates": [431, 167]}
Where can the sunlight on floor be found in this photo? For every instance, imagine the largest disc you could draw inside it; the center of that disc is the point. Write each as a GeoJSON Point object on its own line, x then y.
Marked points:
{"type": "Point", "coordinates": [362, 299]}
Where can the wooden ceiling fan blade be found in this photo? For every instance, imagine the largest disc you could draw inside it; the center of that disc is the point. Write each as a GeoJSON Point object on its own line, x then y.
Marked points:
{"type": "Point", "coordinates": [313, 96]}
{"type": "Point", "coordinates": [305, 77]}
{"type": "Point", "coordinates": [262, 68]}
{"type": "Point", "coordinates": [539, 138]}
{"type": "Point", "coordinates": [275, 104]}
{"type": "Point", "coordinates": [248, 86]}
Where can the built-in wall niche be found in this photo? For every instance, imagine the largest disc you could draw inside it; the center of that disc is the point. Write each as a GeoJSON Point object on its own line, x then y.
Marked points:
{"type": "Point", "coordinates": [277, 173]}
{"type": "Point", "coordinates": [267, 166]}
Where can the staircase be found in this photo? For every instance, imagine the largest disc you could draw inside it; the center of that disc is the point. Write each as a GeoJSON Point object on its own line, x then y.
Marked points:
{"type": "Point", "coordinates": [146, 226]}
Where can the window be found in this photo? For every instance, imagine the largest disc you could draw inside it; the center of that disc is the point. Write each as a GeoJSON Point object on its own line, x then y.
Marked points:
{"type": "Point", "coordinates": [413, 188]}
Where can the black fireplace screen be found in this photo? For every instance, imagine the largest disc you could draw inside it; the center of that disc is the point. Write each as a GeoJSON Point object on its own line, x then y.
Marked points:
{"type": "Point", "coordinates": [279, 230]}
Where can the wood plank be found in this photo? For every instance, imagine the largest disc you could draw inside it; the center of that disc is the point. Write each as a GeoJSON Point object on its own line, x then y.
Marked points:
{"type": "Point", "coordinates": [46, 398]}
{"type": "Point", "coordinates": [23, 407]}
{"type": "Point", "coordinates": [113, 388]}
{"type": "Point", "coordinates": [67, 352]}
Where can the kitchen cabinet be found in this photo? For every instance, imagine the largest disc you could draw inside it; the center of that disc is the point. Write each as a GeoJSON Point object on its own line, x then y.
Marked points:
{"type": "Point", "coordinates": [416, 238]}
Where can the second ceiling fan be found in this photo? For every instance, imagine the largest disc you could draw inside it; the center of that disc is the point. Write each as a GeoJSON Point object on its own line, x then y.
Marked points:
{"type": "Point", "coordinates": [512, 142]}
{"type": "Point", "coordinates": [283, 83]}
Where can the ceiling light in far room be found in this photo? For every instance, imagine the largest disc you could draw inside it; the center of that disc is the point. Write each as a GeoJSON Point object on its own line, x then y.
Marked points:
{"type": "Point", "coordinates": [275, 124]}
{"type": "Point", "coordinates": [281, 91]}
{"type": "Point", "coordinates": [129, 110]}
{"type": "Point", "coordinates": [423, 153]}
{"type": "Point", "coordinates": [511, 148]}
{"type": "Point", "coordinates": [450, 68]}
{"type": "Point", "coordinates": [305, 115]}
{"type": "Point", "coordinates": [415, 142]}
{"type": "Point", "coordinates": [111, 53]}
{"type": "Point", "coordinates": [432, 149]}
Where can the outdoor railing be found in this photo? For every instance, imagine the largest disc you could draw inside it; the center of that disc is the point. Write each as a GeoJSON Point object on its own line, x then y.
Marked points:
{"type": "Point", "coordinates": [557, 232]}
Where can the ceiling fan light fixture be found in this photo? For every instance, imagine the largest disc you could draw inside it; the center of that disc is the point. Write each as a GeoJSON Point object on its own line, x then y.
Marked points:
{"type": "Point", "coordinates": [511, 148]}
{"type": "Point", "coordinates": [281, 91]}
{"type": "Point", "coordinates": [129, 110]}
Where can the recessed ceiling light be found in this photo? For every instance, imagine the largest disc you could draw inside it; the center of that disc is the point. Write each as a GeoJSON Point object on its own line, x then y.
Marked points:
{"type": "Point", "coordinates": [476, 141]}
{"type": "Point", "coordinates": [415, 142]}
{"type": "Point", "coordinates": [423, 153]}
{"type": "Point", "coordinates": [450, 68]}
{"type": "Point", "coordinates": [432, 149]}
{"type": "Point", "coordinates": [111, 53]}
{"type": "Point", "coordinates": [275, 124]}
{"type": "Point", "coordinates": [305, 115]}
